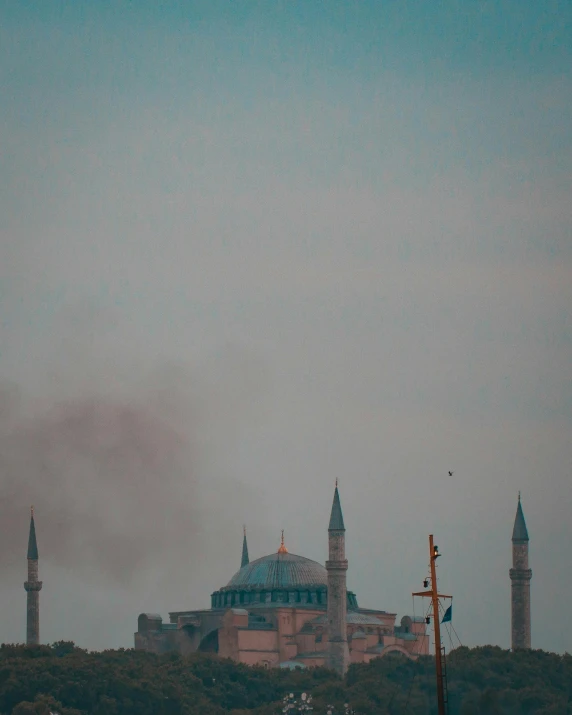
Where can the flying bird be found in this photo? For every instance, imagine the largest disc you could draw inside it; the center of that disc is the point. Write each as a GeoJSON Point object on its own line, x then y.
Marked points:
{"type": "Point", "coordinates": [450, 474]}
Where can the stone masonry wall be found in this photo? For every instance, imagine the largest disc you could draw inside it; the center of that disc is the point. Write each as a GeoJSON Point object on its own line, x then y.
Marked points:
{"type": "Point", "coordinates": [520, 576]}
{"type": "Point", "coordinates": [337, 566]}
{"type": "Point", "coordinates": [33, 588]}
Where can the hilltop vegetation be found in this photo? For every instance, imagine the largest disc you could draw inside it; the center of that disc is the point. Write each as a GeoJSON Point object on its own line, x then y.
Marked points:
{"type": "Point", "coordinates": [482, 681]}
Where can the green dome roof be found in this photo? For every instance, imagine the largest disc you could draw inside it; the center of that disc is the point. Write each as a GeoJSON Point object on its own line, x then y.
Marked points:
{"type": "Point", "coordinates": [279, 571]}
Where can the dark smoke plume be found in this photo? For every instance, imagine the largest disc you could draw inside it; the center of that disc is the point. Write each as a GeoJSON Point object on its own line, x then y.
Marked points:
{"type": "Point", "coordinates": [113, 475]}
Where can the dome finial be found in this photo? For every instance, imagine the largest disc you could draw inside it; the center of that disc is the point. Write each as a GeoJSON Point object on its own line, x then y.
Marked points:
{"type": "Point", "coordinates": [282, 549]}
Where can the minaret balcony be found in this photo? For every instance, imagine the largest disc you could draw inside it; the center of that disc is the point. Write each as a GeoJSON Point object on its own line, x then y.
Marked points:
{"type": "Point", "coordinates": [340, 565]}
{"type": "Point", "coordinates": [33, 585]}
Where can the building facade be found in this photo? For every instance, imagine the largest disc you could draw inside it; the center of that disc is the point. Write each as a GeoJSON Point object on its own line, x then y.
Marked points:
{"type": "Point", "coordinates": [289, 611]}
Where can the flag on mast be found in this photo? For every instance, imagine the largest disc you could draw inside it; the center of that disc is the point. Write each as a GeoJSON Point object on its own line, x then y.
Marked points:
{"type": "Point", "coordinates": [448, 614]}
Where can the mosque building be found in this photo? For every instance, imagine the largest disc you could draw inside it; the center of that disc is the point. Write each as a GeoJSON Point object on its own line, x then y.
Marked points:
{"type": "Point", "coordinates": [288, 611]}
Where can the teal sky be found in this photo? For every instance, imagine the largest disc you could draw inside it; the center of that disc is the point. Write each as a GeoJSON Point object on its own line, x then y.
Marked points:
{"type": "Point", "coordinates": [300, 241]}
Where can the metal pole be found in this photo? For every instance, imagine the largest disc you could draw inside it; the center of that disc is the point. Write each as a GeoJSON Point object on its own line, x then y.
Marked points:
{"type": "Point", "coordinates": [433, 553]}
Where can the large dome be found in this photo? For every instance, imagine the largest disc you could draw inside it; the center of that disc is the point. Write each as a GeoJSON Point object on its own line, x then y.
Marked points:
{"type": "Point", "coordinates": [279, 570]}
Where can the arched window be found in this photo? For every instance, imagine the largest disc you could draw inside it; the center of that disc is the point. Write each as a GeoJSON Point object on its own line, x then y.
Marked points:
{"type": "Point", "coordinates": [209, 643]}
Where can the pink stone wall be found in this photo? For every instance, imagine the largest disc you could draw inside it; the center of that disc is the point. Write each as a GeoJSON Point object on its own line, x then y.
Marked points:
{"type": "Point", "coordinates": [421, 646]}
{"type": "Point", "coordinates": [258, 648]}
{"type": "Point", "coordinates": [228, 642]}
{"type": "Point", "coordinates": [284, 642]}
{"type": "Point", "coordinates": [303, 616]}
{"type": "Point", "coordinates": [257, 640]}
{"type": "Point", "coordinates": [286, 622]}
{"type": "Point", "coordinates": [307, 643]}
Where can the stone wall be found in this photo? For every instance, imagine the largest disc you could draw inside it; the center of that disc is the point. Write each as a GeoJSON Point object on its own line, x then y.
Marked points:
{"type": "Point", "coordinates": [337, 567]}
{"type": "Point", "coordinates": [520, 612]}
{"type": "Point", "coordinates": [33, 588]}
{"type": "Point", "coordinates": [520, 576]}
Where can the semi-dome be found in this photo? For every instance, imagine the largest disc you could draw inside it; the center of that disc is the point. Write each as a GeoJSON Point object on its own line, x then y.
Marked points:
{"type": "Point", "coordinates": [279, 570]}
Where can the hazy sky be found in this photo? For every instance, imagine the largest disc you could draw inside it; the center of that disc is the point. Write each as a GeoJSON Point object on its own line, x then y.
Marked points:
{"type": "Point", "coordinates": [248, 248]}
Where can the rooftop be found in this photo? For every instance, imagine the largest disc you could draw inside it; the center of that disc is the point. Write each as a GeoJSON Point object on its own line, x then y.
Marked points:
{"type": "Point", "coordinates": [353, 617]}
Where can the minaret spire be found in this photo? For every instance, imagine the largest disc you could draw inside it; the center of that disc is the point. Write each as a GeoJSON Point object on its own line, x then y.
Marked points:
{"type": "Point", "coordinates": [32, 543]}
{"type": "Point", "coordinates": [245, 560]}
{"type": "Point", "coordinates": [520, 576]}
{"type": "Point", "coordinates": [336, 516]}
{"type": "Point", "coordinates": [337, 566]}
{"type": "Point", "coordinates": [519, 531]}
{"type": "Point", "coordinates": [33, 587]}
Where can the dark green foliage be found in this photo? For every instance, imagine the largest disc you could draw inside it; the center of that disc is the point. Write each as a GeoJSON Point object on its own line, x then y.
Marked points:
{"type": "Point", "coordinates": [63, 679]}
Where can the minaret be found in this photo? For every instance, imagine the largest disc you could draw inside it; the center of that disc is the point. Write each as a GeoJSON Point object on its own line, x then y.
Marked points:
{"type": "Point", "coordinates": [245, 560]}
{"type": "Point", "coordinates": [520, 576]}
{"type": "Point", "coordinates": [337, 565]}
{"type": "Point", "coordinates": [33, 588]}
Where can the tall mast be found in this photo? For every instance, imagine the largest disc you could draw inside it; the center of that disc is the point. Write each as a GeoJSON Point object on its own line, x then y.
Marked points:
{"type": "Point", "coordinates": [434, 595]}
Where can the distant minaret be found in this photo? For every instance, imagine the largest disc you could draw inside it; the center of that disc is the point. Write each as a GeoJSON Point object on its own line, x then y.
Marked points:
{"type": "Point", "coordinates": [245, 560]}
{"type": "Point", "coordinates": [33, 588]}
{"type": "Point", "coordinates": [337, 565]}
{"type": "Point", "coordinates": [520, 576]}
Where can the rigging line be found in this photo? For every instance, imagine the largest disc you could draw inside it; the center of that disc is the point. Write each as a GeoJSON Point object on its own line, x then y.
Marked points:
{"type": "Point", "coordinates": [416, 634]}
{"type": "Point", "coordinates": [449, 634]}
{"type": "Point", "coordinates": [416, 662]}
{"type": "Point", "coordinates": [410, 689]}
{"type": "Point", "coordinates": [415, 674]}
{"type": "Point", "coordinates": [448, 625]}
{"type": "Point", "coordinates": [397, 688]}
{"type": "Point", "coordinates": [416, 641]}
{"type": "Point", "coordinates": [455, 632]}
{"type": "Point", "coordinates": [413, 608]}
{"type": "Point", "coordinates": [392, 698]}
{"type": "Point", "coordinates": [453, 629]}
{"type": "Point", "coordinates": [415, 649]}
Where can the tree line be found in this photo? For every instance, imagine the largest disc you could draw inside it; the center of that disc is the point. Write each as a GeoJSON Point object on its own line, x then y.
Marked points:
{"type": "Point", "coordinates": [66, 680]}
